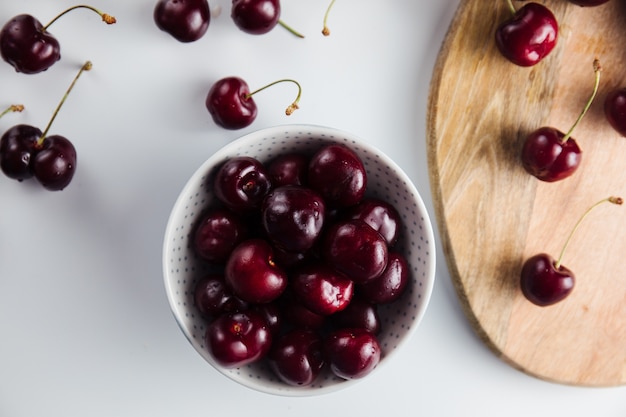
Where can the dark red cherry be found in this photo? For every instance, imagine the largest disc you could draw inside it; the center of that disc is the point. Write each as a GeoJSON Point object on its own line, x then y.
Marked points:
{"type": "Point", "coordinates": [272, 315]}
{"type": "Point", "coordinates": [529, 35]}
{"type": "Point", "coordinates": [391, 284]}
{"type": "Point", "coordinates": [546, 156]}
{"type": "Point", "coordinates": [338, 174]}
{"type": "Point", "coordinates": [17, 147]}
{"type": "Point", "coordinates": [241, 183]}
{"type": "Point", "coordinates": [55, 163]}
{"type": "Point", "coordinates": [27, 46]}
{"type": "Point", "coordinates": [252, 273]}
{"type": "Point", "coordinates": [352, 353]}
{"type": "Point", "coordinates": [212, 297]}
{"type": "Point", "coordinates": [615, 110]}
{"type": "Point", "coordinates": [288, 169]}
{"type": "Point", "coordinates": [255, 16]}
{"type": "Point", "coordinates": [588, 3]}
{"type": "Point", "coordinates": [321, 289]}
{"type": "Point", "coordinates": [544, 284]}
{"type": "Point", "coordinates": [293, 217]}
{"type": "Point", "coordinates": [297, 357]}
{"type": "Point", "coordinates": [217, 234]}
{"type": "Point", "coordinates": [381, 216]}
{"type": "Point", "coordinates": [299, 316]}
{"type": "Point", "coordinates": [230, 103]}
{"type": "Point", "coordinates": [186, 20]}
{"type": "Point", "coordinates": [355, 249]}
{"type": "Point", "coordinates": [359, 313]}
{"type": "Point", "coordinates": [238, 339]}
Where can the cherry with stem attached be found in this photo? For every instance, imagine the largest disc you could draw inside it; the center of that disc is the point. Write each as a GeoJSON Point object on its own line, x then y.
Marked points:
{"type": "Point", "coordinates": [27, 45]}
{"type": "Point", "coordinates": [545, 281]}
{"type": "Point", "coordinates": [549, 154]}
{"type": "Point", "coordinates": [258, 17]}
{"type": "Point", "coordinates": [325, 29]}
{"type": "Point", "coordinates": [529, 35]}
{"type": "Point", "coordinates": [26, 151]}
{"type": "Point", "coordinates": [231, 106]}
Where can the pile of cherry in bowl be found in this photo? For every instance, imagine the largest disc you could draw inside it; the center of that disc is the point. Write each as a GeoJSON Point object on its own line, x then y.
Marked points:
{"type": "Point", "coordinates": [299, 261]}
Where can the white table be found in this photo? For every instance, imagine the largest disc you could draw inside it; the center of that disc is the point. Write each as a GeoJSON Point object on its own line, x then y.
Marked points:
{"type": "Point", "coordinates": [86, 327]}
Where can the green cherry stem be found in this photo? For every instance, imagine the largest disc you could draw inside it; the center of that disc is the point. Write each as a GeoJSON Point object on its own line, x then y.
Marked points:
{"type": "Point", "coordinates": [12, 108]}
{"type": "Point", "coordinates": [86, 67]}
{"type": "Point", "coordinates": [293, 106]}
{"type": "Point", "coordinates": [613, 200]}
{"type": "Point", "coordinates": [511, 7]}
{"type": "Point", "coordinates": [325, 30]}
{"type": "Point", "coordinates": [107, 18]}
{"type": "Point", "coordinates": [597, 69]}
{"type": "Point", "coordinates": [290, 29]}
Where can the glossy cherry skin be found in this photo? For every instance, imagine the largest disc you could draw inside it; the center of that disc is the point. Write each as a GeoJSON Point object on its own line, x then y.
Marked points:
{"type": "Point", "coordinates": [321, 289]}
{"type": "Point", "coordinates": [359, 313]}
{"type": "Point", "coordinates": [352, 353]}
{"type": "Point", "coordinates": [241, 183]}
{"type": "Point", "coordinates": [217, 234]}
{"type": "Point", "coordinates": [27, 46]}
{"type": "Point", "coordinates": [255, 17]}
{"type": "Point", "coordinates": [547, 157]}
{"type": "Point", "coordinates": [297, 357]}
{"type": "Point", "coordinates": [212, 297]}
{"type": "Point", "coordinates": [186, 20]}
{"type": "Point", "coordinates": [252, 273]}
{"type": "Point", "coordinates": [237, 339]}
{"type": "Point", "coordinates": [588, 3]}
{"type": "Point", "coordinates": [355, 249]}
{"type": "Point", "coordinates": [381, 216]}
{"type": "Point", "coordinates": [391, 284]}
{"type": "Point", "coordinates": [542, 283]}
{"type": "Point", "coordinates": [230, 105]}
{"type": "Point", "coordinates": [288, 169]}
{"type": "Point", "coordinates": [18, 145]}
{"type": "Point", "coordinates": [293, 217]}
{"type": "Point", "coordinates": [54, 164]}
{"type": "Point", "coordinates": [529, 36]}
{"type": "Point", "coordinates": [615, 110]}
{"type": "Point", "coordinates": [338, 174]}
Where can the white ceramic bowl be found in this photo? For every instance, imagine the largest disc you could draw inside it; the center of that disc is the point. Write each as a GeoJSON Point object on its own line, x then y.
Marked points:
{"type": "Point", "coordinates": [385, 180]}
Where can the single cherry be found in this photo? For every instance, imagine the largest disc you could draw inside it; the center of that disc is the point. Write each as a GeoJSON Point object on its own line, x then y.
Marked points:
{"type": "Point", "coordinates": [25, 151]}
{"type": "Point", "coordinates": [212, 297]}
{"type": "Point", "coordinates": [252, 273]}
{"type": "Point", "coordinates": [391, 284]}
{"type": "Point", "coordinates": [186, 20]}
{"type": "Point", "coordinates": [230, 103]}
{"type": "Point", "coordinates": [241, 183]}
{"type": "Point", "coordinates": [258, 17]}
{"type": "Point", "coordinates": [288, 169]}
{"type": "Point", "coordinates": [359, 313]}
{"type": "Point", "coordinates": [545, 281]}
{"type": "Point", "coordinates": [28, 46]}
{"type": "Point", "coordinates": [338, 174]}
{"type": "Point", "coordinates": [352, 352]}
{"type": "Point", "coordinates": [381, 216]}
{"type": "Point", "coordinates": [615, 110]}
{"type": "Point", "coordinates": [529, 35]}
{"type": "Point", "coordinates": [551, 155]}
{"type": "Point", "coordinates": [217, 234]}
{"type": "Point", "coordinates": [321, 289]}
{"type": "Point", "coordinates": [297, 357]}
{"type": "Point", "coordinates": [237, 339]}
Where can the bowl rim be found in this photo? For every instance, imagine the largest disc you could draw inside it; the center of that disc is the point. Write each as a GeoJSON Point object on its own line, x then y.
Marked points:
{"type": "Point", "coordinates": [217, 156]}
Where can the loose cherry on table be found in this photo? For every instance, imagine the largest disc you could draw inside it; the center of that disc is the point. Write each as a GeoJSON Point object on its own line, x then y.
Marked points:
{"type": "Point", "coordinates": [26, 151]}
{"type": "Point", "coordinates": [230, 103]}
{"type": "Point", "coordinates": [28, 46]}
{"type": "Point", "coordinates": [545, 281]}
{"type": "Point", "coordinates": [529, 35]}
{"type": "Point", "coordinates": [258, 17]}
{"type": "Point", "coordinates": [187, 21]}
{"type": "Point", "coordinates": [549, 154]}
{"type": "Point", "coordinates": [615, 110]}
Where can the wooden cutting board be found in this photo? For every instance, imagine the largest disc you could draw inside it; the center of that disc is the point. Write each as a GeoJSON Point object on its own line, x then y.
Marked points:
{"type": "Point", "coordinates": [492, 215]}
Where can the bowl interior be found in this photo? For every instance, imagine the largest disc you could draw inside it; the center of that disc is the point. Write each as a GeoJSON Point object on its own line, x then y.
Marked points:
{"type": "Point", "coordinates": [385, 180]}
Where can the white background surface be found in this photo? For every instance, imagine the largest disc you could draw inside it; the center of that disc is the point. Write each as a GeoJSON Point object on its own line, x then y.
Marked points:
{"type": "Point", "coordinates": [85, 327]}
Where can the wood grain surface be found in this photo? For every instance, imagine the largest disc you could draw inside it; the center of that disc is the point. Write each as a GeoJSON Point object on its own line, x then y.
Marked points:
{"type": "Point", "coordinates": [492, 215]}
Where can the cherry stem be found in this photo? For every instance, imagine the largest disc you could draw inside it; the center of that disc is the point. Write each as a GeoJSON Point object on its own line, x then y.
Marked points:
{"type": "Point", "coordinates": [107, 18]}
{"type": "Point", "coordinates": [290, 29]}
{"type": "Point", "coordinates": [511, 7]}
{"type": "Point", "coordinates": [613, 200]}
{"type": "Point", "coordinates": [596, 69]}
{"type": "Point", "coordinates": [12, 108]}
{"type": "Point", "coordinates": [86, 67]}
{"type": "Point", "coordinates": [293, 106]}
{"type": "Point", "coordinates": [325, 30]}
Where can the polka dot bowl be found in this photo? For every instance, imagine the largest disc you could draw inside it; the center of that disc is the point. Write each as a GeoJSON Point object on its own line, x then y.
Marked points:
{"type": "Point", "coordinates": [386, 181]}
